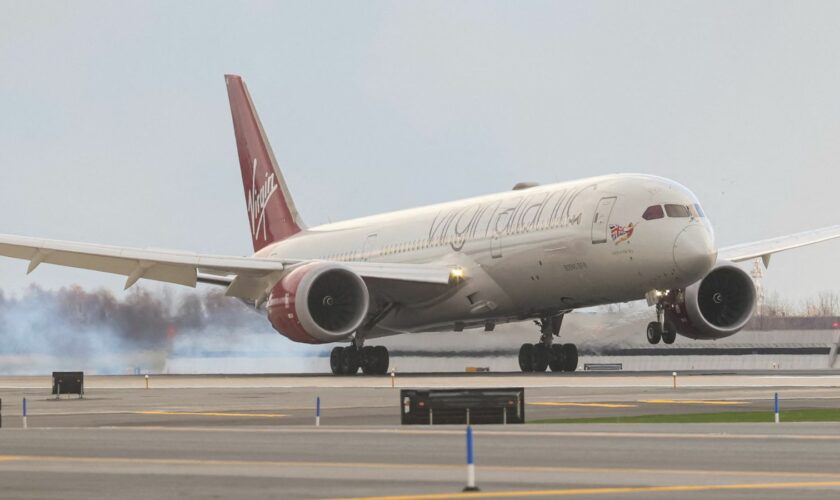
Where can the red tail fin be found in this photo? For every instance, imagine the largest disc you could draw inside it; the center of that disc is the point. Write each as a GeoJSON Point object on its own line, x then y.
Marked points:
{"type": "Point", "coordinates": [271, 211]}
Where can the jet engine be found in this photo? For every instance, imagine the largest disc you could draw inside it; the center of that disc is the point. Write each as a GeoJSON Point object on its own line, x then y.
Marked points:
{"type": "Point", "coordinates": [717, 306]}
{"type": "Point", "coordinates": [318, 303]}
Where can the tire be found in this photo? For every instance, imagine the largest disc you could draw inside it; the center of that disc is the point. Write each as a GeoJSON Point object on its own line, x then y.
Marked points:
{"type": "Point", "coordinates": [350, 361]}
{"type": "Point", "coordinates": [669, 333]}
{"type": "Point", "coordinates": [369, 361]}
{"type": "Point", "coordinates": [654, 332]}
{"type": "Point", "coordinates": [557, 363]}
{"type": "Point", "coordinates": [383, 359]}
{"type": "Point", "coordinates": [570, 357]}
{"type": "Point", "coordinates": [526, 358]}
{"type": "Point", "coordinates": [336, 361]}
{"type": "Point", "coordinates": [541, 357]}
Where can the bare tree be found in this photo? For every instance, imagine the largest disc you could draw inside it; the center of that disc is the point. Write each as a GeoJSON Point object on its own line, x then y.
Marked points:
{"type": "Point", "coordinates": [775, 305]}
{"type": "Point", "coordinates": [828, 303]}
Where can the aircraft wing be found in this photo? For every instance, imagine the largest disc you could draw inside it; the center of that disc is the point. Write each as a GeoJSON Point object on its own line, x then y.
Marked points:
{"type": "Point", "coordinates": [765, 248]}
{"type": "Point", "coordinates": [246, 277]}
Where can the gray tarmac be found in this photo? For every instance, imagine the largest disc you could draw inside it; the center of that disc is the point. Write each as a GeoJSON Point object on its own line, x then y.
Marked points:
{"type": "Point", "coordinates": [254, 437]}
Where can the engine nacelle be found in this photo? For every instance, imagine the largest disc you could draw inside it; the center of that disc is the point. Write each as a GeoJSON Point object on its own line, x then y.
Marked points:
{"type": "Point", "coordinates": [717, 306]}
{"type": "Point", "coordinates": [318, 303]}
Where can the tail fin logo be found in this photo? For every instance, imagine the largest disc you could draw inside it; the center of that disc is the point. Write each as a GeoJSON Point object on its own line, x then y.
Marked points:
{"type": "Point", "coordinates": [258, 199]}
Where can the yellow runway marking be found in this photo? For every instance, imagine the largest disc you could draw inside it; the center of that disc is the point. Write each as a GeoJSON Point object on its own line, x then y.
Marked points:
{"type": "Point", "coordinates": [216, 462]}
{"type": "Point", "coordinates": [585, 405]}
{"type": "Point", "coordinates": [42, 459]}
{"type": "Point", "coordinates": [692, 402]}
{"type": "Point", "coordinates": [481, 432]}
{"type": "Point", "coordinates": [212, 414]}
{"type": "Point", "coordinates": [611, 490]}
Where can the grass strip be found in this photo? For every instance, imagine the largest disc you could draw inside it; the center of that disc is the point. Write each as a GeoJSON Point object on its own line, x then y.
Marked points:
{"type": "Point", "coordinates": [800, 415]}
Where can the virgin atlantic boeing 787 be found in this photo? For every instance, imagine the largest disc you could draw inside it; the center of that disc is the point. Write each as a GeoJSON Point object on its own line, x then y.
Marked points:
{"type": "Point", "coordinates": [532, 253]}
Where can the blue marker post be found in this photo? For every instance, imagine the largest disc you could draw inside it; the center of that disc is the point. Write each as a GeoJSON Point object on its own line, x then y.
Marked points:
{"type": "Point", "coordinates": [24, 413]}
{"type": "Point", "coordinates": [318, 411]}
{"type": "Point", "coordinates": [470, 463]}
{"type": "Point", "coordinates": [776, 406]}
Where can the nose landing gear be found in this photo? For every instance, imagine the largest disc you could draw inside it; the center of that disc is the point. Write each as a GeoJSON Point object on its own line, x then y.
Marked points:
{"type": "Point", "coordinates": [659, 330]}
{"type": "Point", "coordinates": [545, 354]}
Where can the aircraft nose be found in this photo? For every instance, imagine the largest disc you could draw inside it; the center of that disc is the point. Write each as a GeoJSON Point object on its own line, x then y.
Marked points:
{"type": "Point", "coordinates": [694, 251]}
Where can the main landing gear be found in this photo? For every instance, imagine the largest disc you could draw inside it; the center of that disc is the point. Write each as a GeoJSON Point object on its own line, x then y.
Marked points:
{"type": "Point", "coordinates": [659, 330]}
{"type": "Point", "coordinates": [347, 360]}
{"type": "Point", "coordinates": [545, 354]}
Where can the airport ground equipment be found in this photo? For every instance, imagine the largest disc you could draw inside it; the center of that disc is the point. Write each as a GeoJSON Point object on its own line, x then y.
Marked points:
{"type": "Point", "coordinates": [462, 406]}
{"type": "Point", "coordinates": [68, 383]}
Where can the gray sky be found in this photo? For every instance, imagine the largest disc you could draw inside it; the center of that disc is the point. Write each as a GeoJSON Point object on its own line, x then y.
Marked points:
{"type": "Point", "coordinates": [115, 126]}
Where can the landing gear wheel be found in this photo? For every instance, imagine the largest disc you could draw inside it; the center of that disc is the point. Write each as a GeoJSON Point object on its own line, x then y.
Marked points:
{"type": "Point", "coordinates": [541, 357]}
{"type": "Point", "coordinates": [350, 361]}
{"type": "Point", "coordinates": [383, 359]}
{"type": "Point", "coordinates": [526, 358]}
{"type": "Point", "coordinates": [374, 360]}
{"type": "Point", "coordinates": [558, 360]}
{"type": "Point", "coordinates": [669, 333]}
{"type": "Point", "coordinates": [369, 360]}
{"type": "Point", "coordinates": [654, 332]}
{"type": "Point", "coordinates": [335, 360]}
{"type": "Point", "coordinates": [570, 357]}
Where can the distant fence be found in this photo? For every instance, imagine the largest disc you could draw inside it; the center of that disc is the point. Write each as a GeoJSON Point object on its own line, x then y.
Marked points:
{"type": "Point", "coordinates": [769, 323]}
{"type": "Point", "coordinates": [602, 367]}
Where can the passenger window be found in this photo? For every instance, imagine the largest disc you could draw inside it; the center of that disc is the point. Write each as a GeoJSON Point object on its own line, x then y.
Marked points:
{"type": "Point", "coordinates": [677, 211]}
{"type": "Point", "coordinates": [653, 212]}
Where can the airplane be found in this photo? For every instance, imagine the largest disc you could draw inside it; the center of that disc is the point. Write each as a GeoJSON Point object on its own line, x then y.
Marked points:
{"type": "Point", "coordinates": [536, 252]}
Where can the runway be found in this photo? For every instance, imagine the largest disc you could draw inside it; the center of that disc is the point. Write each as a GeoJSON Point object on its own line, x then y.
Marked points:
{"type": "Point", "coordinates": [253, 437]}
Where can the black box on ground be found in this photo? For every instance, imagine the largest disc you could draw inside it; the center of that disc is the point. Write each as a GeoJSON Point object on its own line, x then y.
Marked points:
{"type": "Point", "coordinates": [462, 406]}
{"type": "Point", "coordinates": [68, 383]}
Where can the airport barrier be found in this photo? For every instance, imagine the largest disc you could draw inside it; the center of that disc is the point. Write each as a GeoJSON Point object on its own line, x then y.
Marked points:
{"type": "Point", "coordinates": [68, 383]}
{"type": "Point", "coordinates": [462, 406]}
{"type": "Point", "coordinates": [602, 367]}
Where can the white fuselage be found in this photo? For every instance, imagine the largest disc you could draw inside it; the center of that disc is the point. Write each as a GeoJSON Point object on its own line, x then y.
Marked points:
{"type": "Point", "coordinates": [526, 253]}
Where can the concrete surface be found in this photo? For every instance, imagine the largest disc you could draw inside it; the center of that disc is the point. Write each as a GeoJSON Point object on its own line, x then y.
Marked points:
{"type": "Point", "coordinates": [253, 437]}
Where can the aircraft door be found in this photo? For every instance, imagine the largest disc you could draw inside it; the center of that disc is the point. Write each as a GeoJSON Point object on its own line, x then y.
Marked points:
{"type": "Point", "coordinates": [370, 247]}
{"type": "Point", "coordinates": [600, 227]}
{"type": "Point", "coordinates": [496, 246]}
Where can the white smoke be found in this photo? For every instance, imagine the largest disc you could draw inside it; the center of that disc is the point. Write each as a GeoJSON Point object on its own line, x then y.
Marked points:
{"type": "Point", "coordinates": [142, 330]}
{"type": "Point", "coordinates": [156, 330]}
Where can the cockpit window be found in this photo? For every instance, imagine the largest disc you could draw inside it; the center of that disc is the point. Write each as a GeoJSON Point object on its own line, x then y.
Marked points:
{"type": "Point", "coordinates": [699, 210]}
{"type": "Point", "coordinates": [653, 212]}
{"type": "Point", "coordinates": [677, 210]}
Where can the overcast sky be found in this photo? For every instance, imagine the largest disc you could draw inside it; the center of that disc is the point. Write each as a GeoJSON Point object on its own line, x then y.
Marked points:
{"type": "Point", "coordinates": [115, 126]}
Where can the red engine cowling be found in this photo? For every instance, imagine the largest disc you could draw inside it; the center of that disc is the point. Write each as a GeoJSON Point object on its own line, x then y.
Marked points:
{"type": "Point", "coordinates": [318, 303]}
{"type": "Point", "coordinates": [717, 306]}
